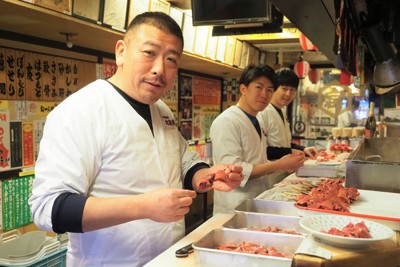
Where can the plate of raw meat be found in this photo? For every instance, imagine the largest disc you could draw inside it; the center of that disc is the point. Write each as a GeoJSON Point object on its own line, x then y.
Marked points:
{"type": "Point", "coordinates": [345, 231]}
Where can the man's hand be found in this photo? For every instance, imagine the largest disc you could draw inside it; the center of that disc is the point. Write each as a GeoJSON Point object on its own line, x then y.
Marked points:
{"type": "Point", "coordinates": [222, 177]}
{"type": "Point", "coordinates": [311, 151]}
{"type": "Point", "coordinates": [168, 205]}
{"type": "Point", "coordinates": [292, 162]}
{"type": "Point", "coordinates": [296, 152]}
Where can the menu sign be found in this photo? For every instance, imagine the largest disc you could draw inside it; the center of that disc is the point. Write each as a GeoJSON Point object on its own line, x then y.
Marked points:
{"type": "Point", "coordinates": [30, 76]}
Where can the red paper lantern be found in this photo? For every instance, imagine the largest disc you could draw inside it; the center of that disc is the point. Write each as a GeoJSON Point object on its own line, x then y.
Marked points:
{"type": "Point", "coordinates": [306, 44]}
{"type": "Point", "coordinates": [314, 75]}
{"type": "Point", "coordinates": [301, 68]}
{"type": "Point", "coordinates": [345, 78]}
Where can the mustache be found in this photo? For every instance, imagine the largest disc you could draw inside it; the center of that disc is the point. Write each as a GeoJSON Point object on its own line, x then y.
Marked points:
{"type": "Point", "coordinates": [157, 80]}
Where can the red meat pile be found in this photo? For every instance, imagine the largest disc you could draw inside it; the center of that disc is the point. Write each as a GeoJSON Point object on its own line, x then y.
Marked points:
{"type": "Point", "coordinates": [330, 195]}
{"type": "Point", "coordinates": [252, 248]}
{"type": "Point", "coordinates": [274, 229]}
{"type": "Point", "coordinates": [324, 156]}
{"type": "Point", "coordinates": [358, 230]}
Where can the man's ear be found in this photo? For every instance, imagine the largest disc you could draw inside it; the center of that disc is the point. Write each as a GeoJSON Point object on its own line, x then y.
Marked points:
{"type": "Point", "coordinates": [120, 49]}
{"type": "Point", "coordinates": [242, 88]}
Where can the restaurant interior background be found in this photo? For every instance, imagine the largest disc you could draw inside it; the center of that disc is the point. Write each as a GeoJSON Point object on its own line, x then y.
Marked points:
{"type": "Point", "coordinates": [49, 49]}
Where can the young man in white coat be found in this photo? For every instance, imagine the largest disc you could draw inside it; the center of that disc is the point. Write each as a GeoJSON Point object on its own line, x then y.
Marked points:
{"type": "Point", "coordinates": [275, 119]}
{"type": "Point", "coordinates": [112, 163]}
{"type": "Point", "coordinates": [238, 137]}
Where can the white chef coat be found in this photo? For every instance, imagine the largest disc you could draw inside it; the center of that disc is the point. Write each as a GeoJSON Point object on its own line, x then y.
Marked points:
{"type": "Point", "coordinates": [346, 119]}
{"type": "Point", "coordinates": [96, 144]}
{"type": "Point", "coordinates": [235, 140]}
{"type": "Point", "coordinates": [278, 130]}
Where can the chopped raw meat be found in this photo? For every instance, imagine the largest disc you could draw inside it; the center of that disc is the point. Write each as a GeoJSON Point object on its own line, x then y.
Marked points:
{"type": "Point", "coordinates": [252, 248]}
{"type": "Point", "coordinates": [274, 229]}
{"type": "Point", "coordinates": [330, 195]}
{"type": "Point", "coordinates": [358, 230]}
{"type": "Point", "coordinates": [207, 182]}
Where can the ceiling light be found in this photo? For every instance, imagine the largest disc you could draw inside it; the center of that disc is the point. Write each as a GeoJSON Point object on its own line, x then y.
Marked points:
{"type": "Point", "coordinates": [68, 38]}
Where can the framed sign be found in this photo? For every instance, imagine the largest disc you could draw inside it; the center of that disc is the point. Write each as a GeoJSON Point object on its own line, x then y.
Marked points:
{"type": "Point", "coordinates": [115, 13]}
{"type": "Point", "coordinates": [392, 115]}
{"type": "Point", "coordinates": [160, 5]}
{"type": "Point", "coordinates": [63, 6]}
{"type": "Point", "coordinates": [200, 45]}
{"type": "Point", "coordinates": [137, 7]}
{"type": "Point", "coordinates": [89, 10]}
{"type": "Point", "coordinates": [230, 50]}
{"type": "Point", "coordinates": [189, 33]}
{"type": "Point", "coordinates": [238, 53]}
{"type": "Point", "coordinates": [177, 15]}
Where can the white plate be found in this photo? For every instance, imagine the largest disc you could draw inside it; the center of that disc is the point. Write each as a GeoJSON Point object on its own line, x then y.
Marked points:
{"type": "Point", "coordinates": [314, 224]}
{"type": "Point", "coordinates": [328, 163]}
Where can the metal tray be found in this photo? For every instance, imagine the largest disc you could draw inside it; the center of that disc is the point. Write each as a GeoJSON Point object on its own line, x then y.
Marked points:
{"type": "Point", "coordinates": [312, 169]}
{"type": "Point", "coordinates": [268, 206]}
{"type": "Point", "coordinates": [245, 220]}
{"type": "Point", "coordinates": [206, 253]}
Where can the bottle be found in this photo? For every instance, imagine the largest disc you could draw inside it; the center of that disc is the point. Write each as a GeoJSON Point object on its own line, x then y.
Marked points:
{"type": "Point", "coordinates": [382, 128]}
{"type": "Point", "coordinates": [370, 126]}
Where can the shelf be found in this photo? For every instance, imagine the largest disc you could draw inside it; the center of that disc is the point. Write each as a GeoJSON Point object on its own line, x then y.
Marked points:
{"type": "Point", "coordinates": [31, 20]}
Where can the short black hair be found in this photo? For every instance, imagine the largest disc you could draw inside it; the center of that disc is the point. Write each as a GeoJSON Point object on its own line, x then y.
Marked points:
{"type": "Point", "coordinates": [159, 20]}
{"type": "Point", "coordinates": [287, 77]}
{"type": "Point", "coordinates": [355, 103]}
{"type": "Point", "coordinates": [252, 72]}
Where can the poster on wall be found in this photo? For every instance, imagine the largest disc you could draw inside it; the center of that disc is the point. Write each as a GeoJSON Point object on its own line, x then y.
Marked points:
{"type": "Point", "coordinates": [203, 116]}
{"type": "Point", "coordinates": [3, 75]}
{"type": "Point", "coordinates": [1, 205]}
{"type": "Point", "coordinates": [10, 63]}
{"type": "Point", "coordinates": [20, 85]}
{"type": "Point", "coordinates": [34, 84]}
{"type": "Point", "coordinates": [37, 77]}
{"type": "Point", "coordinates": [170, 98]}
{"type": "Point", "coordinates": [206, 91]}
{"type": "Point", "coordinates": [206, 105]}
{"type": "Point", "coordinates": [4, 139]}
{"type": "Point", "coordinates": [185, 106]}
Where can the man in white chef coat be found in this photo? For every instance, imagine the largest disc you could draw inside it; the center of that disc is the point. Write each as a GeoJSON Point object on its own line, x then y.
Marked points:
{"type": "Point", "coordinates": [112, 164]}
{"type": "Point", "coordinates": [238, 137]}
{"type": "Point", "coordinates": [274, 118]}
{"type": "Point", "coordinates": [348, 118]}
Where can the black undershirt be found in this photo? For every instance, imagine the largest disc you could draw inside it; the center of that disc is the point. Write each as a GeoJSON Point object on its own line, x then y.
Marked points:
{"type": "Point", "coordinates": [68, 208]}
{"type": "Point", "coordinates": [274, 152]}
{"type": "Point", "coordinates": [254, 121]}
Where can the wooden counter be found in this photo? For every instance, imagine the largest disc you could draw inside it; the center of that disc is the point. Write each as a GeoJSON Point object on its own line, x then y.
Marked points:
{"type": "Point", "coordinates": [383, 254]}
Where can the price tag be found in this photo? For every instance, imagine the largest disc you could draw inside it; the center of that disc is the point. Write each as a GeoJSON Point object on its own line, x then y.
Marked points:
{"type": "Point", "coordinates": [308, 247]}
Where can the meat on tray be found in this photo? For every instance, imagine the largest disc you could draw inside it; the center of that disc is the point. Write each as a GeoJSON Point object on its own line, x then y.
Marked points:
{"type": "Point", "coordinates": [252, 248]}
{"type": "Point", "coordinates": [339, 155]}
{"type": "Point", "coordinates": [274, 229]}
{"type": "Point", "coordinates": [358, 230]}
{"type": "Point", "coordinates": [330, 195]}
